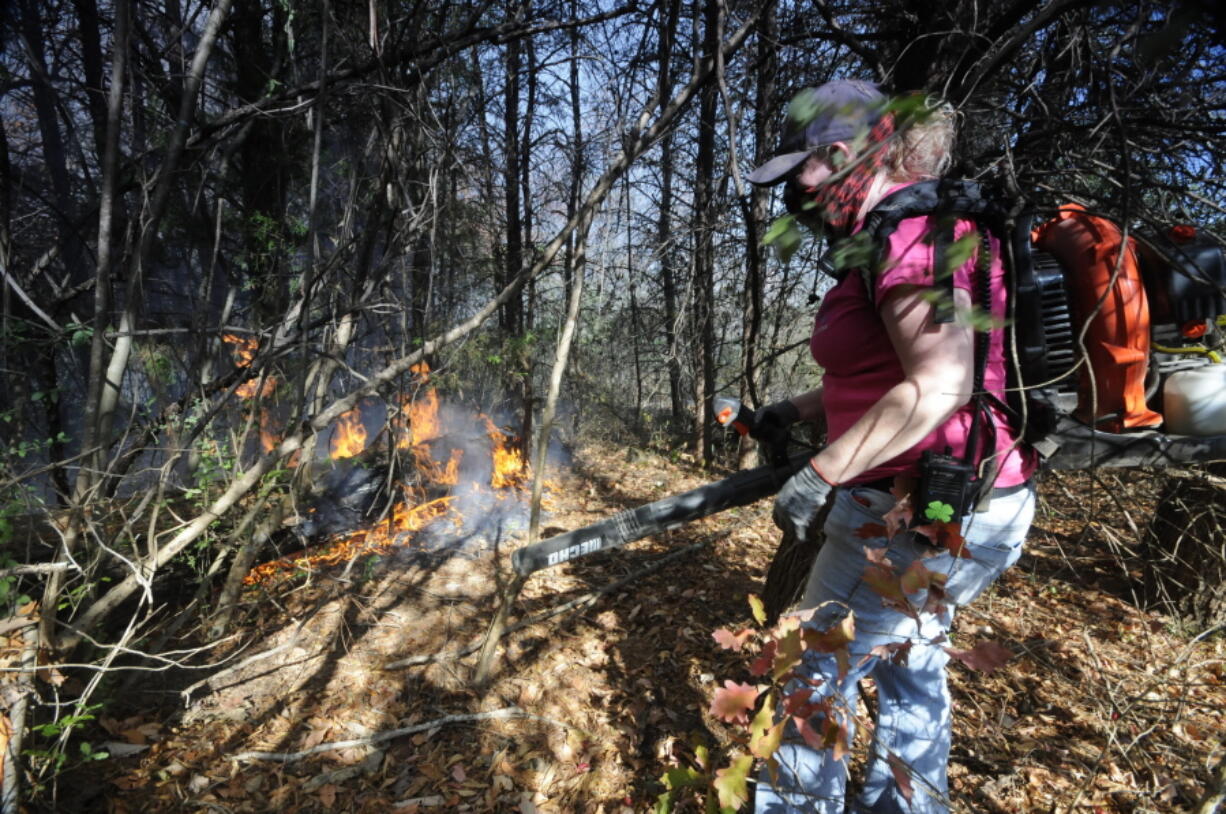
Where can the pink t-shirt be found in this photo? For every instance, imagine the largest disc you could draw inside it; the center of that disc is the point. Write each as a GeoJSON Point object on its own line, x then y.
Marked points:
{"type": "Point", "coordinates": [851, 344]}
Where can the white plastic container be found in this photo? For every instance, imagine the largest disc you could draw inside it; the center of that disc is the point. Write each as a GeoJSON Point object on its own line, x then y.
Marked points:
{"type": "Point", "coordinates": [1194, 401]}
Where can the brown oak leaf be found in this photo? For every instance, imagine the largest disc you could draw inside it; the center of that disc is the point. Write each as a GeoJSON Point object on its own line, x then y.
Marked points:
{"type": "Point", "coordinates": [731, 641]}
{"type": "Point", "coordinates": [872, 531]}
{"type": "Point", "coordinates": [984, 656]}
{"type": "Point", "coordinates": [902, 776]}
{"type": "Point", "coordinates": [765, 660]}
{"type": "Point", "coordinates": [733, 701]}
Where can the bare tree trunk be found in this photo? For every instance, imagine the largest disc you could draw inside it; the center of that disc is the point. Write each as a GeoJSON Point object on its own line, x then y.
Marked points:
{"type": "Point", "coordinates": [704, 252]}
{"type": "Point", "coordinates": [527, 397]}
{"type": "Point", "coordinates": [755, 213]}
{"type": "Point", "coordinates": [89, 33]}
{"type": "Point", "coordinates": [509, 319]}
{"type": "Point", "coordinates": [664, 239]}
{"type": "Point", "coordinates": [55, 152]}
{"type": "Point", "coordinates": [562, 355]}
{"type": "Point", "coordinates": [91, 462]}
{"type": "Point", "coordinates": [105, 381]}
{"type": "Point", "coordinates": [113, 377]}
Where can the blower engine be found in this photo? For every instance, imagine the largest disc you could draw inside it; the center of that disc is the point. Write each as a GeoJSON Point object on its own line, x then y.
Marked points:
{"type": "Point", "coordinates": [1117, 343]}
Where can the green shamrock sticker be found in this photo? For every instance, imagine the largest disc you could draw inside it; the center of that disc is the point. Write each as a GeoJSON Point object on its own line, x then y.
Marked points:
{"type": "Point", "coordinates": [939, 511]}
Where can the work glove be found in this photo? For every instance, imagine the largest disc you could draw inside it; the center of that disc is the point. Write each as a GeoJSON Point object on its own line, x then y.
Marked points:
{"type": "Point", "coordinates": [772, 421]}
{"type": "Point", "coordinates": [799, 501]}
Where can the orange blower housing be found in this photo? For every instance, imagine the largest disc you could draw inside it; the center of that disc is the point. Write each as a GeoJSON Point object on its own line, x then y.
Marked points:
{"type": "Point", "coordinates": [1101, 267]}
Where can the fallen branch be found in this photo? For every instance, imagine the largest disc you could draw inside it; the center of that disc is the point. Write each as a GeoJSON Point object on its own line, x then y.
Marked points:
{"type": "Point", "coordinates": [580, 601]}
{"type": "Point", "coordinates": [507, 713]}
{"type": "Point", "coordinates": [37, 568]}
{"type": "Point", "coordinates": [1205, 477]}
{"type": "Point", "coordinates": [15, 623]}
{"type": "Point", "coordinates": [10, 759]}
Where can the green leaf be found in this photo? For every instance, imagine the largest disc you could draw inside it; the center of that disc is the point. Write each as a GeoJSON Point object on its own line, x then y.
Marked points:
{"type": "Point", "coordinates": [682, 777]}
{"type": "Point", "coordinates": [802, 108]}
{"type": "Point", "coordinates": [732, 783]}
{"type": "Point", "coordinates": [758, 607]}
{"type": "Point", "coordinates": [911, 106]}
{"type": "Point", "coordinates": [857, 251]}
{"type": "Point", "coordinates": [958, 253]}
{"type": "Point", "coordinates": [765, 734]}
{"type": "Point", "coordinates": [939, 511]}
{"type": "Point", "coordinates": [785, 235]}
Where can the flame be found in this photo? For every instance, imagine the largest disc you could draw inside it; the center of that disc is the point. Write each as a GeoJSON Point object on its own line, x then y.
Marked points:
{"type": "Point", "coordinates": [447, 474]}
{"type": "Point", "coordinates": [268, 438]}
{"type": "Point", "coordinates": [349, 436]}
{"type": "Point", "coordinates": [248, 388]}
{"type": "Point", "coordinates": [451, 473]}
{"type": "Point", "coordinates": [418, 422]}
{"type": "Point", "coordinates": [417, 425]}
{"type": "Point", "coordinates": [407, 519]}
{"type": "Point", "coordinates": [510, 469]}
{"type": "Point", "coordinates": [378, 539]}
{"type": "Point", "coordinates": [417, 430]}
{"type": "Point", "coordinates": [244, 348]}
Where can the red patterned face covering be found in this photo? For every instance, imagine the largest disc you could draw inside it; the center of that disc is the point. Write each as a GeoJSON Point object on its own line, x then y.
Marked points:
{"type": "Point", "coordinates": [839, 203]}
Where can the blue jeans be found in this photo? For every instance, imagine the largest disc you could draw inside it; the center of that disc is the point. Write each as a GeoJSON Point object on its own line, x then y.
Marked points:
{"type": "Point", "coordinates": [913, 707]}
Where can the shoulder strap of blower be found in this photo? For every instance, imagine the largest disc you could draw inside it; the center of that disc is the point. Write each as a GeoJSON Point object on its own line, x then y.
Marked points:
{"type": "Point", "coordinates": [948, 201]}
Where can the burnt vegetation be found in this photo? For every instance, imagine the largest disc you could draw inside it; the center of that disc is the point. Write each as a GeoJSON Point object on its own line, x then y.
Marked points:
{"type": "Point", "coordinates": [249, 248]}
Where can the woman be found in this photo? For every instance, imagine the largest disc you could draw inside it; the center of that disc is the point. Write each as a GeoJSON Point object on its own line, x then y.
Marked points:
{"type": "Point", "coordinates": [896, 383]}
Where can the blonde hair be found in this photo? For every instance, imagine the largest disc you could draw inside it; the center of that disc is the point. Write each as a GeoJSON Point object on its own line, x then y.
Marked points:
{"type": "Point", "coordinates": [924, 147]}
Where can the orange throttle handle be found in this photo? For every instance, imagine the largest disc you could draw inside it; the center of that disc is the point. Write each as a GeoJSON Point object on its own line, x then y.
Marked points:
{"type": "Point", "coordinates": [730, 413]}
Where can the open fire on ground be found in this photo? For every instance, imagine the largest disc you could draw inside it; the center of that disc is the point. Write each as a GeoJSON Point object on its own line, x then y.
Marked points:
{"type": "Point", "coordinates": [458, 477]}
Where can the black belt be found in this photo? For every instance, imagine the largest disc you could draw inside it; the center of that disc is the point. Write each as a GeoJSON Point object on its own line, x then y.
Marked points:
{"type": "Point", "coordinates": [886, 484]}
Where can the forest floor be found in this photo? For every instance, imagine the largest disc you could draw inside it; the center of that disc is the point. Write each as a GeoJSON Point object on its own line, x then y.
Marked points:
{"type": "Point", "coordinates": [1103, 708]}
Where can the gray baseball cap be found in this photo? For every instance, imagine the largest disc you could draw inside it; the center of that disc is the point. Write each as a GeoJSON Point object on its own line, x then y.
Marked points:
{"type": "Point", "coordinates": [836, 111]}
